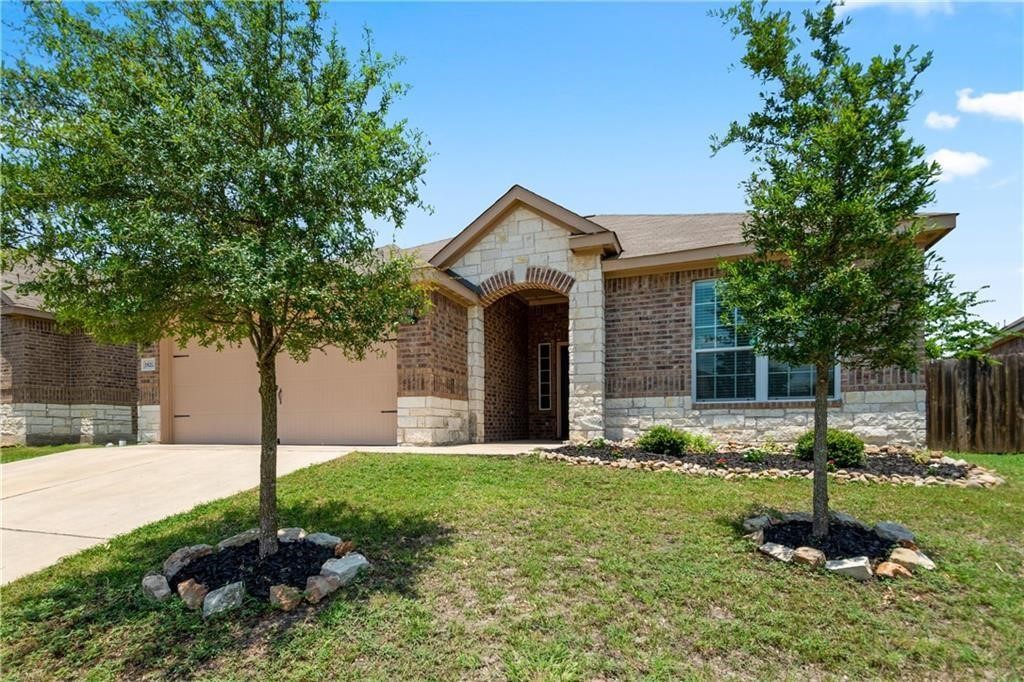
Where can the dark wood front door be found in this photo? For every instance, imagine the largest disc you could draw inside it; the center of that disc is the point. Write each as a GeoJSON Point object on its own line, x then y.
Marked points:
{"type": "Point", "coordinates": [563, 392]}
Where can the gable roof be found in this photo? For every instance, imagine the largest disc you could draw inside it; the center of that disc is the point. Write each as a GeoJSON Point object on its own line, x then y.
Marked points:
{"type": "Point", "coordinates": [11, 301]}
{"type": "Point", "coordinates": [516, 196]}
{"type": "Point", "coordinates": [635, 241]}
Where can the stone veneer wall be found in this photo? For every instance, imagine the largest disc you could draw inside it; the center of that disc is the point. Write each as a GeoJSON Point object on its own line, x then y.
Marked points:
{"type": "Point", "coordinates": [430, 420]}
{"type": "Point", "coordinates": [523, 239]}
{"type": "Point", "coordinates": [895, 417]}
{"type": "Point", "coordinates": [60, 387]}
{"type": "Point", "coordinates": [505, 360]}
{"type": "Point", "coordinates": [649, 331]}
{"type": "Point", "coordinates": [546, 324]}
{"type": "Point", "coordinates": [149, 398]}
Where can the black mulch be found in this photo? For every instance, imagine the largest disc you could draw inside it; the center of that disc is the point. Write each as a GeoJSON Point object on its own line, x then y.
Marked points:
{"type": "Point", "coordinates": [291, 565]}
{"type": "Point", "coordinates": [880, 465]}
{"type": "Point", "coordinates": [842, 542]}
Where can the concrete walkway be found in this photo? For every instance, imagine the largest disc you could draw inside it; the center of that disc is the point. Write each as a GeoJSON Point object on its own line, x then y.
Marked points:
{"type": "Point", "coordinates": [57, 505]}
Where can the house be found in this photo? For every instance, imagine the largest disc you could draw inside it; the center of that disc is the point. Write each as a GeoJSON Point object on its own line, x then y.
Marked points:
{"type": "Point", "coordinates": [59, 386]}
{"type": "Point", "coordinates": [1011, 339]}
{"type": "Point", "coordinates": [546, 324]}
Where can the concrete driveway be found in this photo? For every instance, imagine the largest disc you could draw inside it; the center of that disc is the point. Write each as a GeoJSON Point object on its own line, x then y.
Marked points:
{"type": "Point", "coordinates": [57, 505]}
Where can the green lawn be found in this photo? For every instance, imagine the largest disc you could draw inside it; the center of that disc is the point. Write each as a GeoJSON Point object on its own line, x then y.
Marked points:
{"type": "Point", "coordinates": [15, 453]}
{"type": "Point", "coordinates": [521, 569]}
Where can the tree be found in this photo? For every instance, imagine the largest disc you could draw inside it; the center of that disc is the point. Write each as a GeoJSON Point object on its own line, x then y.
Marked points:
{"type": "Point", "coordinates": [206, 171]}
{"type": "Point", "coordinates": [837, 274]}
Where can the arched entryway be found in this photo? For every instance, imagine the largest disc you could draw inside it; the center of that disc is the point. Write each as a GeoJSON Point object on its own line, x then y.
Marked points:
{"type": "Point", "coordinates": [526, 372]}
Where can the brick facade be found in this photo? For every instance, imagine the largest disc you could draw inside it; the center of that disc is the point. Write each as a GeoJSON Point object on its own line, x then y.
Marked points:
{"type": "Point", "coordinates": [505, 360]}
{"type": "Point", "coordinates": [545, 324]}
{"type": "Point", "coordinates": [432, 353]}
{"type": "Point", "coordinates": [649, 332]}
{"type": "Point", "coordinates": [59, 386]}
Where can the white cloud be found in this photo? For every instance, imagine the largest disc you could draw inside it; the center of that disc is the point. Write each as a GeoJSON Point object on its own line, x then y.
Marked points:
{"type": "Point", "coordinates": [939, 121]}
{"type": "Point", "coordinates": [996, 104]}
{"type": "Point", "coordinates": [918, 7]}
{"type": "Point", "coordinates": [958, 164]}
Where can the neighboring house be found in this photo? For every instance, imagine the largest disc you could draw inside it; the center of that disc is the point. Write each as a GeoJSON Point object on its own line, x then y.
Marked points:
{"type": "Point", "coordinates": [546, 324]}
{"type": "Point", "coordinates": [58, 386]}
{"type": "Point", "coordinates": [1011, 339]}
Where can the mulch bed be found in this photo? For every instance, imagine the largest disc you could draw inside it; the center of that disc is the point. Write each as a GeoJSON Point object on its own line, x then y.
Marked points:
{"type": "Point", "coordinates": [880, 465]}
{"type": "Point", "coordinates": [843, 541]}
{"type": "Point", "coordinates": [293, 563]}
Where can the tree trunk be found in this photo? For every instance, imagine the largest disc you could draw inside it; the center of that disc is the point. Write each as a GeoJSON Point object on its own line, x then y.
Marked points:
{"type": "Point", "coordinates": [268, 455]}
{"type": "Point", "coordinates": [820, 503]}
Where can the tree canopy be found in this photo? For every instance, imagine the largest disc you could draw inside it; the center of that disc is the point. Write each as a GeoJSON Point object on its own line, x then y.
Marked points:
{"type": "Point", "coordinates": [210, 171]}
{"type": "Point", "coordinates": [835, 201]}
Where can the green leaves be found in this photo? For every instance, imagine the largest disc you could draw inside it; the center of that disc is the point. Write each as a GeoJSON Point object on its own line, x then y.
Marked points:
{"type": "Point", "coordinates": [837, 275]}
{"type": "Point", "coordinates": [208, 170]}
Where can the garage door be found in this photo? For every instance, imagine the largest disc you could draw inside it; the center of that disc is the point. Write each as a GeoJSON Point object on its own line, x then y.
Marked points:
{"type": "Point", "coordinates": [327, 400]}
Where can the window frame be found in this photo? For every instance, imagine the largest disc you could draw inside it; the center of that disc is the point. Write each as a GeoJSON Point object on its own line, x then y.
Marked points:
{"type": "Point", "coordinates": [540, 381]}
{"type": "Point", "coordinates": [760, 367]}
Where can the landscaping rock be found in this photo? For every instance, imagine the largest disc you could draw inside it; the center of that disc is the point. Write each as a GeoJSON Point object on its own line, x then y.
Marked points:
{"type": "Point", "coordinates": [776, 551]}
{"type": "Point", "coordinates": [285, 597]}
{"type": "Point", "coordinates": [323, 539]}
{"type": "Point", "coordinates": [797, 516]}
{"type": "Point", "coordinates": [345, 568]}
{"type": "Point", "coordinates": [343, 548]}
{"type": "Point", "coordinates": [290, 534]}
{"type": "Point", "coordinates": [809, 556]}
{"type": "Point", "coordinates": [155, 587]}
{"type": "Point", "coordinates": [319, 586]}
{"type": "Point", "coordinates": [182, 557]}
{"type": "Point", "coordinates": [888, 569]}
{"type": "Point", "coordinates": [223, 599]}
{"type": "Point", "coordinates": [757, 537]}
{"type": "Point", "coordinates": [840, 517]}
{"type": "Point", "coordinates": [858, 568]}
{"type": "Point", "coordinates": [756, 523]}
{"type": "Point", "coordinates": [192, 593]}
{"type": "Point", "coordinates": [243, 538]}
{"type": "Point", "coordinates": [911, 559]}
{"type": "Point", "coordinates": [893, 532]}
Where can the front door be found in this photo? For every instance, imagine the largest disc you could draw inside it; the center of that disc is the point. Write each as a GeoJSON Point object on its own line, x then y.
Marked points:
{"type": "Point", "coordinates": [563, 392]}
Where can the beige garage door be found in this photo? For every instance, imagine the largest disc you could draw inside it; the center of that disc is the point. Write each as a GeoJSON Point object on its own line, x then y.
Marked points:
{"type": "Point", "coordinates": [327, 400]}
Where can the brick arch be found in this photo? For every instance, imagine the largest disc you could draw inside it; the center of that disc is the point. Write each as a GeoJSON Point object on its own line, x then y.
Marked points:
{"type": "Point", "coordinates": [537, 277]}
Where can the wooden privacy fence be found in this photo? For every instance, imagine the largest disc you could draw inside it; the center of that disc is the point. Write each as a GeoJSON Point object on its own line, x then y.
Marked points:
{"type": "Point", "coordinates": [976, 407]}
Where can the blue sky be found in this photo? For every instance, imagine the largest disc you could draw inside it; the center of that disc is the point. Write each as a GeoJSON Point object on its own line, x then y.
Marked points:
{"type": "Point", "coordinates": [607, 108]}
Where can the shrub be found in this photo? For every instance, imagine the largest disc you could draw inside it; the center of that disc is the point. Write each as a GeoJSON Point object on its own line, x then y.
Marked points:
{"type": "Point", "coordinates": [599, 443]}
{"type": "Point", "coordinates": [755, 456]}
{"type": "Point", "coordinates": [664, 440]}
{"type": "Point", "coordinates": [845, 449]}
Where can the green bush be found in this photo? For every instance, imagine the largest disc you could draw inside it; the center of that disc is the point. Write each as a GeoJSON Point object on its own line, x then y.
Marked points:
{"type": "Point", "coordinates": [844, 448]}
{"type": "Point", "coordinates": [664, 440]}
{"type": "Point", "coordinates": [755, 456]}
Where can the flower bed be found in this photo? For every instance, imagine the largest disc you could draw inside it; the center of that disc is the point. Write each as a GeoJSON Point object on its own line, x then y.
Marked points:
{"type": "Point", "coordinates": [884, 464]}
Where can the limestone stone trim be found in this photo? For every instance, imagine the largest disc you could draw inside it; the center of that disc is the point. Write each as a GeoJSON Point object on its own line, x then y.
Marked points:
{"type": "Point", "coordinates": [429, 420]}
{"type": "Point", "coordinates": [535, 277]}
{"type": "Point", "coordinates": [42, 423]}
{"type": "Point", "coordinates": [149, 424]}
{"type": "Point", "coordinates": [882, 417]}
{"type": "Point", "coordinates": [523, 238]}
{"type": "Point", "coordinates": [475, 369]}
{"type": "Point", "coordinates": [586, 349]}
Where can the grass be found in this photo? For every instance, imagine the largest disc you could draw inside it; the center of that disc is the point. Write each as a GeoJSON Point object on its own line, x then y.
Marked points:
{"type": "Point", "coordinates": [16, 453]}
{"type": "Point", "coordinates": [489, 568]}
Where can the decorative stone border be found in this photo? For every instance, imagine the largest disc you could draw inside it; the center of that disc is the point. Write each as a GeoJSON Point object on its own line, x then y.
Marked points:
{"type": "Point", "coordinates": [336, 572]}
{"type": "Point", "coordinates": [976, 476]}
{"type": "Point", "coordinates": [904, 558]}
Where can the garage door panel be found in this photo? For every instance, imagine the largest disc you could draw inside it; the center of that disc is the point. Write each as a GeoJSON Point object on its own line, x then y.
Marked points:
{"type": "Point", "coordinates": [327, 400]}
